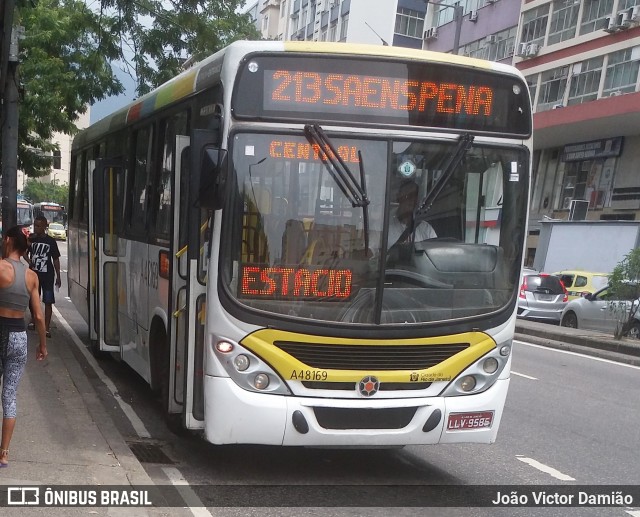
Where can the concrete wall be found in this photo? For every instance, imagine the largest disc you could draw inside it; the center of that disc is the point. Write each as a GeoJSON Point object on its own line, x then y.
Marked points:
{"type": "Point", "coordinates": [590, 245]}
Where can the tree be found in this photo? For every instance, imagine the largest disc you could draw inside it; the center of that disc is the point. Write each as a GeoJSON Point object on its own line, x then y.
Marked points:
{"type": "Point", "coordinates": [65, 67]}
{"type": "Point", "coordinates": [68, 52]}
{"type": "Point", "coordinates": [624, 287]}
{"type": "Point", "coordinates": [158, 36]}
{"type": "Point", "coordinates": [36, 192]}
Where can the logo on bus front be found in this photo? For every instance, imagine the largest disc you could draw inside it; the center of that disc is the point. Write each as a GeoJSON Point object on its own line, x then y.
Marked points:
{"type": "Point", "coordinates": [368, 386]}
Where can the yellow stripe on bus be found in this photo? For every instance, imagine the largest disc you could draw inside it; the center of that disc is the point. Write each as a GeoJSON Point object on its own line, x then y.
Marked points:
{"type": "Point", "coordinates": [262, 344]}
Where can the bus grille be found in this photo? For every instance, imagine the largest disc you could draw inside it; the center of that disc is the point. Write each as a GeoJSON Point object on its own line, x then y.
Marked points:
{"type": "Point", "coordinates": [369, 357]}
{"type": "Point", "coordinates": [351, 386]}
{"type": "Point", "coordinates": [352, 418]}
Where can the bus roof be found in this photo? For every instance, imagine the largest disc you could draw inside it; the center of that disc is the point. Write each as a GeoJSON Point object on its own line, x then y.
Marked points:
{"type": "Point", "coordinates": [207, 72]}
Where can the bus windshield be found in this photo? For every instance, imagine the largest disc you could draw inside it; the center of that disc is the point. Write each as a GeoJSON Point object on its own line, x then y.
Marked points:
{"type": "Point", "coordinates": [436, 241]}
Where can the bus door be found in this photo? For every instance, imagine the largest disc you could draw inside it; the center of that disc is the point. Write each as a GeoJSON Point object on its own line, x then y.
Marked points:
{"type": "Point", "coordinates": [106, 183]}
{"type": "Point", "coordinates": [190, 245]}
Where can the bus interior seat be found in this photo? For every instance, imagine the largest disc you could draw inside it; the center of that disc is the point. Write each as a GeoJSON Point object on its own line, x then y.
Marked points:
{"type": "Point", "coordinates": [294, 242]}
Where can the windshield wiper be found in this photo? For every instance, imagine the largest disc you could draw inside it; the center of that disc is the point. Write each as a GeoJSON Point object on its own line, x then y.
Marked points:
{"type": "Point", "coordinates": [340, 172]}
{"type": "Point", "coordinates": [355, 192]}
{"type": "Point", "coordinates": [464, 144]}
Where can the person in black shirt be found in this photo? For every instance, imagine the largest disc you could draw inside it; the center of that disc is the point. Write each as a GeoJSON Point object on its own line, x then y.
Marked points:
{"type": "Point", "coordinates": [43, 257]}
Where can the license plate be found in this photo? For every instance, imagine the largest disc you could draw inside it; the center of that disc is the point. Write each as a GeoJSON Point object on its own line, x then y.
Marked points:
{"type": "Point", "coordinates": [545, 297]}
{"type": "Point", "coordinates": [465, 421]}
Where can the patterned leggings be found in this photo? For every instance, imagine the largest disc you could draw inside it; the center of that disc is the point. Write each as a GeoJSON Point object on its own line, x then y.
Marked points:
{"type": "Point", "coordinates": [13, 358]}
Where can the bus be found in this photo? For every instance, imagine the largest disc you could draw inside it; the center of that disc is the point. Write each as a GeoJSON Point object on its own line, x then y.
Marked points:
{"type": "Point", "coordinates": [54, 212]}
{"type": "Point", "coordinates": [24, 216]}
{"type": "Point", "coordinates": [229, 239]}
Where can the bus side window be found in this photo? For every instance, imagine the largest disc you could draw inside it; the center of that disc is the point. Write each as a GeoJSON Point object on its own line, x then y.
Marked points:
{"type": "Point", "coordinates": [140, 170]}
{"type": "Point", "coordinates": [162, 204]}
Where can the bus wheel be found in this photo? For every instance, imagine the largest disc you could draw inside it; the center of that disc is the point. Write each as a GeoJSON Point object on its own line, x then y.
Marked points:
{"type": "Point", "coordinates": [163, 365]}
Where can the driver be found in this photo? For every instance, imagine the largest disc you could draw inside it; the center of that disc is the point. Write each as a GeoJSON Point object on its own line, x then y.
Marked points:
{"type": "Point", "coordinates": [401, 224]}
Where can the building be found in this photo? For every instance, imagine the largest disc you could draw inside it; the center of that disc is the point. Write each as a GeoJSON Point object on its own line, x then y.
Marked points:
{"type": "Point", "coordinates": [581, 60]}
{"type": "Point", "coordinates": [392, 22]}
{"type": "Point", "coordinates": [486, 29]}
{"type": "Point", "coordinates": [61, 159]}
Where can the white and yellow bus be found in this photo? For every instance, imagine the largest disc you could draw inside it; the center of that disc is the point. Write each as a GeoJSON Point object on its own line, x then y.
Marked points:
{"type": "Point", "coordinates": [233, 238]}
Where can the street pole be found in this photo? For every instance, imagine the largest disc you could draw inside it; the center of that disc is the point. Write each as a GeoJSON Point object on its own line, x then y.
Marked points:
{"type": "Point", "coordinates": [458, 15]}
{"type": "Point", "coordinates": [10, 136]}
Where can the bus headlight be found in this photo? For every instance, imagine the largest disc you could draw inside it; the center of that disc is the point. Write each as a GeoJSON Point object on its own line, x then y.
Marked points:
{"type": "Point", "coordinates": [241, 362]}
{"type": "Point", "coordinates": [482, 374]}
{"type": "Point", "coordinates": [246, 369]}
{"type": "Point", "coordinates": [490, 365]}
{"type": "Point", "coordinates": [261, 381]}
{"type": "Point", "coordinates": [467, 383]}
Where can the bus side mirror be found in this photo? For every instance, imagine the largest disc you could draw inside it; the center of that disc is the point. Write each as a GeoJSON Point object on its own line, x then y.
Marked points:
{"type": "Point", "coordinates": [213, 177]}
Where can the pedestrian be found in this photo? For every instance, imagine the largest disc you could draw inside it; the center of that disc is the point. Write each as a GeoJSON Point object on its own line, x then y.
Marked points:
{"type": "Point", "coordinates": [18, 289]}
{"type": "Point", "coordinates": [43, 257]}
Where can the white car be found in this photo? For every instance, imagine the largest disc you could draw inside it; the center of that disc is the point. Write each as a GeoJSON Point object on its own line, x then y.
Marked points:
{"type": "Point", "coordinates": [599, 311]}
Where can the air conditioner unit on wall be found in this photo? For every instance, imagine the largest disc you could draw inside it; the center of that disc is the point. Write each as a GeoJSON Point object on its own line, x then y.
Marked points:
{"type": "Point", "coordinates": [430, 33]}
{"type": "Point", "coordinates": [635, 13]}
{"type": "Point", "coordinates": [522, 49]}
{"type": "Point", "coordinates": [473, 16]}
{"type": "Point", "coordinates": [611, 24]}
{"type": "Point", "coordinates": [532, 49]}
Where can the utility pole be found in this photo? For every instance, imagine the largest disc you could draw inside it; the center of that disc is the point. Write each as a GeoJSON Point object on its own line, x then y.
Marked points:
{"type": "Point", "coordinates": [9, 115]}
{"type": "Point", "coordinates": [458, 15]}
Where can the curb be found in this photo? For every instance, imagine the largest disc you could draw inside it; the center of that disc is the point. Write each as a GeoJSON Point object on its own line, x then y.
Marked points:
{"type": "Point", "coordinates": [594, 343]}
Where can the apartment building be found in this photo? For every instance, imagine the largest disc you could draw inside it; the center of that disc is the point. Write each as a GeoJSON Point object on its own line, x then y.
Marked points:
{"type": "Point", "coordinates": [581, 60]}
{"type": "Point", "coordinates": [379, 22]}
{"type": "Point", "coordinates": [487, 29]}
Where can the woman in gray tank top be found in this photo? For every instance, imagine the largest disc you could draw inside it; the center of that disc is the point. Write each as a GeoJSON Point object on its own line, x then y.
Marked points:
{"type": "Point", "coordinates": [18, 290]}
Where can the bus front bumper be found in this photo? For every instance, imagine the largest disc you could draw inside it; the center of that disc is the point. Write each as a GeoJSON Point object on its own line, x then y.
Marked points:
{"type": "Point", "coordinates": [234, 415]}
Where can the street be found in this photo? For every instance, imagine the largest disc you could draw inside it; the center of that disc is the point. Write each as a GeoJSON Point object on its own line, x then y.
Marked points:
{"type": "Point", "coordinates": [570, 419]}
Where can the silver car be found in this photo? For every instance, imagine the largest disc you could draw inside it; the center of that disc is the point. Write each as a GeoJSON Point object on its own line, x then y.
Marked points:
{"type": "Point", "coordinates": [599, 311]}
{"type": "Point", "coordinates": [542, 297]}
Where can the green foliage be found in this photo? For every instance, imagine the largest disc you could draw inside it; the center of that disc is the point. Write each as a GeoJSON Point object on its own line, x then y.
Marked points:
{"type": "Point", "coordinates": [65, 66]}
{"type": "Point", "coordinates": [624, 285]}
{"type": "Point", "coordinates": [36, 192]}
{"type": "Point", "coordinates": [68, 52]}
{"type": "Point", "coordinates": [162, 34]}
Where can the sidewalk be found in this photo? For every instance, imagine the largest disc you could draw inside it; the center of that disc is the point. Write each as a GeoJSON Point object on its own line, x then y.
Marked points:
{"type": "Point", "coordinates": [64, 436]}
{"type": "Point", "coordinates": [598, 344]}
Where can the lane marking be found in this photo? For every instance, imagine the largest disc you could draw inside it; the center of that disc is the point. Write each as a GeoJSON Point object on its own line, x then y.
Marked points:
{"type": "Point", "coordinates": [545, 468]}
{"type": "Point", "coordinates": [633, 513]}
{"type": "Point", "coordinates": [128, 411]}
{"type": "Point", "coordinates": [525, 376]}
{"type": "Point", "coordinates": [194, 504]}
{"type": "Point", "coordinates": [608, 361]}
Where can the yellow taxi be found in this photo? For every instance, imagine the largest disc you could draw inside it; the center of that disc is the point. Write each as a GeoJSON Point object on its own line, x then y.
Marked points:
{"type": "Point", "coordinates": [580, 283]}
{"type": "Point", "coordinates": [57, 231]}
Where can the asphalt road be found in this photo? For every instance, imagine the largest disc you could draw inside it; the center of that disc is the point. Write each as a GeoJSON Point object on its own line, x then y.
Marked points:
{"type": "Point", "coordinates": [569, 420]}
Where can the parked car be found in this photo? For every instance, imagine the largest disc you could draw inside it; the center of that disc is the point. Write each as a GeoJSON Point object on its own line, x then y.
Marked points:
{"type": "Point", "coordinates": [57, 231]}
{"type": "Point", "coordinates": [542, 297]}
{"type": "Point", "coordinates": [599, 311]}
{"type": "Point", "coordinates": [580, 283]}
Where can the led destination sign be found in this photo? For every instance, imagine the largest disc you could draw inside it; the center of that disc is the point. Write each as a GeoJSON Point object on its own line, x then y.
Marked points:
{"type": "Point", "coordinates": [313, 91]}
{"type": "Point", "coordinates": [376, 91]}
{"type": "Point", "coordinates": [295, 283]}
